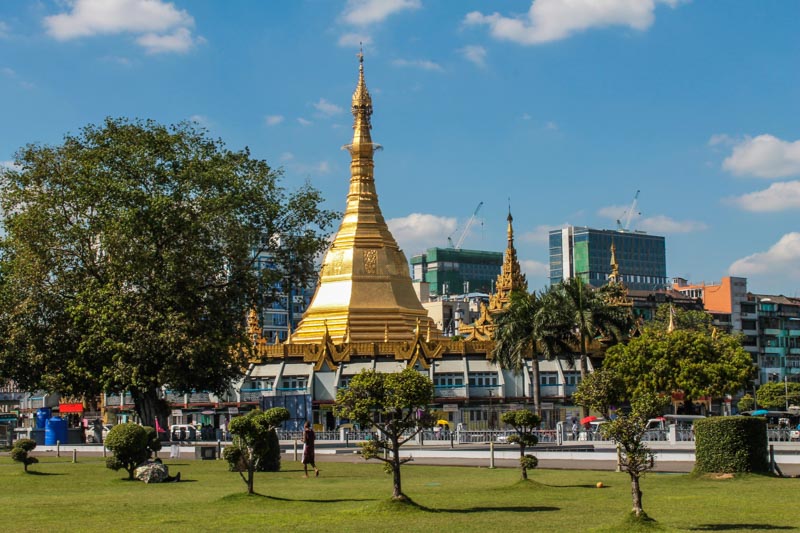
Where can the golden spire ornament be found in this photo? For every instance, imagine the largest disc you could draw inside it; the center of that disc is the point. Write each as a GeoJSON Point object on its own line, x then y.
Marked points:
{"type": "Point", "coordinates": [365, 279]}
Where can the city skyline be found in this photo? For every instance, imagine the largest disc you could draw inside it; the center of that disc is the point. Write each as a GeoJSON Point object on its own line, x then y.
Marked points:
{"type": "Point", "coordinates": [560, 110]}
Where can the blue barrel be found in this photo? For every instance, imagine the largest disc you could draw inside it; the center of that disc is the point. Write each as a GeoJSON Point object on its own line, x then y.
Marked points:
{"type": "Point", "coordinates": [42, 414]}
{"type": "Point", "coordinates": [56, 430]}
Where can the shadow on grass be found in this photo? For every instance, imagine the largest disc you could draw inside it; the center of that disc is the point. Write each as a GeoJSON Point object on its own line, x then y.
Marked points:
{"type": "Point", "coordinates": [37, 473]}
{"type": "Point", "coordinates": [532, 484]}
{"type": "Point", "coordinates": [407, 504]}
{"type": "Point", "coordinates": [734, 527]}
{"type": "Point", "coordinates": [244, 496]}
{"type": "Point", "coordinates": [633, 524]}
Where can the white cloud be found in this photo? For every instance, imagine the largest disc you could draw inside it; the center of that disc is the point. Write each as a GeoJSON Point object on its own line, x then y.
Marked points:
{"type": "Point", "coordinates": [160, 25]}
{"type": "Point", "coordinates": [550, 125]}
{"type": "Point", "coordinates": [355, 40]}
{"type": "Point", "coordinates": [423, 64]}
{"type": "Point", "coordinates": [659, 224]}
{"type": "Point", "coordinates": [8, 72]}
{"type": "Point", "coordinates": [180, 41]}
{"type": "Point", "coordinates": [551, 20]}
{"type": "Point", "coordinates": [10, 165]}
{"type": "Point", "coordinates": [782, 257]}
{"type": "Point", "coordinates": [273, 120]}
{"type": "Point", "coordinates": [5, 29]}
{"type": "Point", "coordinates": [539, 234]}
{"type": "Point", "coordinates": [777, 197]}
{"type": "Point", "coordinates": [308, 169]}
{"type": "Point", "coordinates": [303, 122]}
{"type": "Point", "coordinates": [417, 232]}
{"type": "Point", "coordinates": [326, 108]}
{"type": "Point", "coordinates": [364, 12]}
{"type": "Point", "coordinates": [474, 53]}
{"type": "Point", "coordinates": [526, 116]}
{"type": "Point", "coordinates": [287, 156]}
{"type": "Point", "coordinates": [764, 156]}
{"type": "Point", "coordinates": [533, 268]}
{"type": "Point", "coordinates": [201, 120]}
{"type": "Point", "coordinates": [721, 139]}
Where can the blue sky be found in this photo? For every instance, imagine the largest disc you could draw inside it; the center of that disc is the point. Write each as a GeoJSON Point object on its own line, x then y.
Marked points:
{"type": "Point", "coordinates": [566, 108]}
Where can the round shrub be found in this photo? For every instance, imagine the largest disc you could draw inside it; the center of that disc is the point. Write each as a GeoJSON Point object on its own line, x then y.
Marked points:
{"type": "Point", "coordinates": [729, 444]}
{"type": "Point", "coordinates": [268, 455]}
{"type": "Point", "coordinates": [129, 444]}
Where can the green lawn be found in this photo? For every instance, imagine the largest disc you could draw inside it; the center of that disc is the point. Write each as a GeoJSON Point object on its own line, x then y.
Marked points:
{"type": "Point", "coordinates": [354, 497]}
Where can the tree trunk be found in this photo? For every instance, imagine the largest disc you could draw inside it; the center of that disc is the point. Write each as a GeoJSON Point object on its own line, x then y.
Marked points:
{"type": "Point", "coordinates": [250, 476]}
{"type": "Point", "coordinates": [397, 493]}
{"type": "Point", "coordinates": [584, 370]}
{"type": "Point", "coordinates": [636, 495]}
{"type": "Point", "coordinates": [537, 393]}
{"type": "Point", "coordinates": [149, 407]}
{"type": "Point", "coordinates": [522, 462]}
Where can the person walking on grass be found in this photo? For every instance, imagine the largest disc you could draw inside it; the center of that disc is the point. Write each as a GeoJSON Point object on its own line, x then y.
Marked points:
{"type": "Point", "coordinates": [308, 449]}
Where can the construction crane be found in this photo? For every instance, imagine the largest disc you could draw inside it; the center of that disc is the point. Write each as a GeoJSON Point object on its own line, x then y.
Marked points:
{"type": "Point", "coordinates": [460, 240]}
{"type": "Point", "coordinates": [628, 215]}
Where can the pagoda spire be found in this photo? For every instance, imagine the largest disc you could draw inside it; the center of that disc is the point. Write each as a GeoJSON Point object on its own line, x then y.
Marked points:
{"type": "Point", "coordinates": [365, 292]}
{"type": "Point", "coordinates": [614, 277]}
{"type": "Point", "coordinates": [511, 277]}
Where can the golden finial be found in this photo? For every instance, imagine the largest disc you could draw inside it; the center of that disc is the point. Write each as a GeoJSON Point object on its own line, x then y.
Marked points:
{"type": "Point", "coordinates": [386, 333]}
{"type": "Point", "coordinates": [614, 277]}
{"type": "Point", "coordinates": [428, 333]}
{"type": "Point", "coordinates": [671, 325]}
{"type": "Point", "coordinates": [347, 331]}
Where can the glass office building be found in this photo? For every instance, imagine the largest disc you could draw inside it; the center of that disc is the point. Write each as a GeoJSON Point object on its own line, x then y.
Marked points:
{"type": "Point", "coordinates": [586, 252]}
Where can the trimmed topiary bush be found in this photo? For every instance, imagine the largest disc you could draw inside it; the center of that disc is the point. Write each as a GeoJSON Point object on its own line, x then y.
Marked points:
{"type": "Point", "coordinates": [131, 445]}
{"type": "Point", "coordinates": [730, 444]}
{"type": "Point", "coordinates": [20, 450]}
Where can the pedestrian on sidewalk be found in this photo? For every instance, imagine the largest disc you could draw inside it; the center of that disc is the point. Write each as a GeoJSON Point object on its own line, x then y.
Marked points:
{"type": "Point", "coordinates": [308, 449]}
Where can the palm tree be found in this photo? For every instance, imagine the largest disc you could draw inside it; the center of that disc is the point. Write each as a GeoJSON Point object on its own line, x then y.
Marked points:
{"type": "Point", "coordinates": [590, 314]}
{"type": "Point", "coordinates": [525, 329]}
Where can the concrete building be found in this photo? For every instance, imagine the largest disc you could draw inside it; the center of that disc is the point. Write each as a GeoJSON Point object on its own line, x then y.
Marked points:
{"type": "Point", "coordinates": [722, 299]}
{"type": "Point", "coordinates": [586, 252]}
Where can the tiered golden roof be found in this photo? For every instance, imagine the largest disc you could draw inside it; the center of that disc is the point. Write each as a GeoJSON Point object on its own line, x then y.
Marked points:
{"type": "Point", "coordinates": [510, 279]}
{"type": "Point", "coordinates": [365, 293]}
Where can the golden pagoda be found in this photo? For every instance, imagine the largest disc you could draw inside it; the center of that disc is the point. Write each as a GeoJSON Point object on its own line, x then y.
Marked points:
{"type": "Point", "coordinates": [510, 279]}
{"type": "Point", "coordinates": [365, 293]}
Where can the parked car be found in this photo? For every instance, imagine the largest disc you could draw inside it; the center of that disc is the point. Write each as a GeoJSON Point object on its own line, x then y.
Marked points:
{"type": "Point", "coordinates": [180, 432]}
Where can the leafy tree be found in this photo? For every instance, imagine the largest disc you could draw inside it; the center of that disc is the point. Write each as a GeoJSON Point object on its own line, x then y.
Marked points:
{"type": "Point", "coordinates": [628, 430]}
{"type": "Point", "coordinates": [131, 445]}
{"type": "Point", "coordinates": [681, 319]}
{"type": "Point", "coordinates": [396, 405]}
{"type": "Point", "coordinates": [251, 440]}
{"type": "Point", "coordinates": [524, 423]}
{"type": "Point", "coordinates": [746, 403]}
{"type": "Point", "coordinates": [127, 260]}
{"type": "Point", "coordinates": [695, 362]}
{"type": "Point", "coordinates": [20, 451]}
{"type": "Point", "coordinates": [776, 395]}
{"type": "Point", "coordinates": [524, 330]}
{"type": "Point", "coordinates": [599, 391]}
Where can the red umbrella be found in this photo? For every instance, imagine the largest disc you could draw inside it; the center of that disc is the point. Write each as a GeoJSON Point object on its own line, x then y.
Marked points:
{"type": "Point", "coordinates": [587, 419]}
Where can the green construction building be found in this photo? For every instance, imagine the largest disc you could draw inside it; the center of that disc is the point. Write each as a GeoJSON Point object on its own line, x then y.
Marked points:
{"type": "Point", "coordinates": [457, 271]}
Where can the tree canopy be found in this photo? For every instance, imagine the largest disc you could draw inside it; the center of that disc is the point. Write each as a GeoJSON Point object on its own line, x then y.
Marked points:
{"type": "Point", "coordinates": [693, 361]}
{"type": "Point", "coordinates": [127, 260]}
{"type": "Point", "coordinates": [251, 441]}
{"type": "Point", "coordinates": [525, 424]}
{"type": "Point", "coordinates": [600, 390]}
{"type": "Point", "coordinates": [778, 395]}
{"type": "Point", "coordinates": [394, 404]}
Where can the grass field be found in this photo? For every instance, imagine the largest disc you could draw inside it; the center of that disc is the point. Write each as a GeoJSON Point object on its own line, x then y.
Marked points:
{"type": "Point", "coordinates": [61, 496]}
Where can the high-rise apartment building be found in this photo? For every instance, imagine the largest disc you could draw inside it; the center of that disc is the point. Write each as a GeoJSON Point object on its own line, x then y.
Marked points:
{"type": "Point", "coordinates": [586, 252]}
{"type": "Point", "coordinates": [457, 271]}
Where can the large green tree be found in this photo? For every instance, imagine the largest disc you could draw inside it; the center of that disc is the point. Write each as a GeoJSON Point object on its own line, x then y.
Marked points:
{"type": "Point", "coordinates": [127, 260]}
{"type": "Point", "coordinates": [396, 406]}
{"type": "Point", "coordinates": [693, 361]}
{"type": "Point", "coordinates": [525, 329]}
{"type": "Point", "coordinates": [525, 424]}
{"type": "Point", "coordinates": [778, 395]}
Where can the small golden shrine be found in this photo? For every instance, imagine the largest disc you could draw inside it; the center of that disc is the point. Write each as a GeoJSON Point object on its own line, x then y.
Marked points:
{"type": "Point", "coordinates": [510, 279]}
